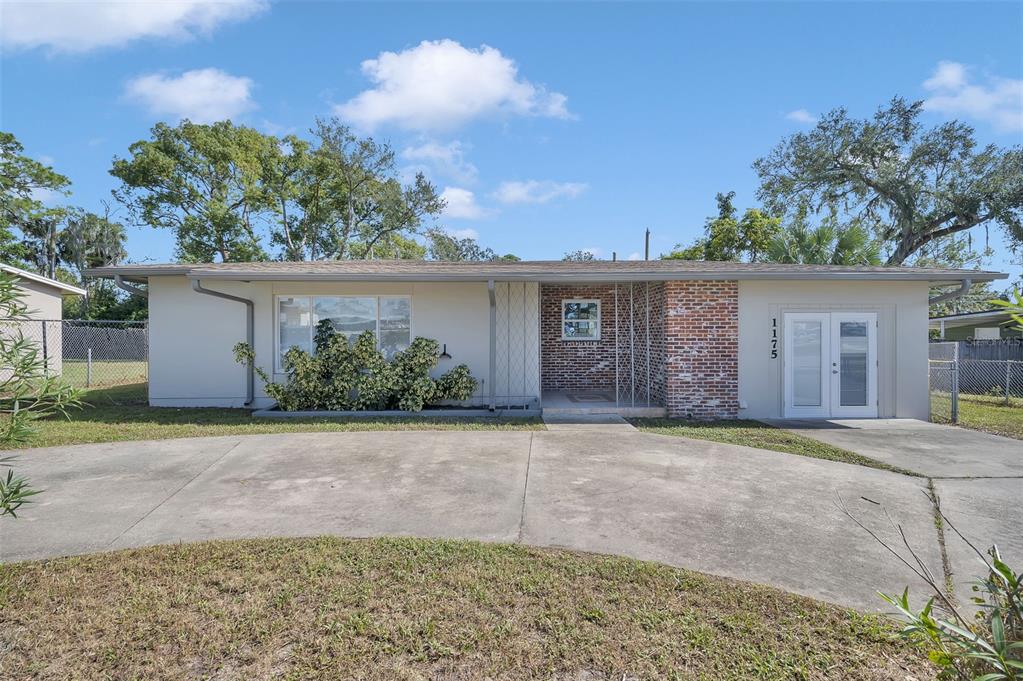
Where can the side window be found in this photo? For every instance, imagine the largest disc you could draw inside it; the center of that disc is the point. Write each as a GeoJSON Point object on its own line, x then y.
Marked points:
{"type": "Point", "coordinates": [580, 320]}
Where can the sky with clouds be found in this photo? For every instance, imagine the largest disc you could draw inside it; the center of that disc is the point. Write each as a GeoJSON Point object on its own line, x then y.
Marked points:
{"type": "Point", "coordinates": [547, 127]}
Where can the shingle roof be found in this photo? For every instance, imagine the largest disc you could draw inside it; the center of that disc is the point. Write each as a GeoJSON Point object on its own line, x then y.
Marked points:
{"type": "Point", "coordinates": [536, 270]}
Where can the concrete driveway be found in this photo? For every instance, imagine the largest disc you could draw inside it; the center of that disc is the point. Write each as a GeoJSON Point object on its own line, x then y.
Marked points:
{"type": "Point", "coordinates": [930, 449]}
{"type": "Point", "coordinates": [750, 514]}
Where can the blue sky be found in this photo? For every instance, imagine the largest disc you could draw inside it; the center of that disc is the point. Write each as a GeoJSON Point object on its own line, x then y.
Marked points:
{"type": "Point", "coordinates": [579, 125]}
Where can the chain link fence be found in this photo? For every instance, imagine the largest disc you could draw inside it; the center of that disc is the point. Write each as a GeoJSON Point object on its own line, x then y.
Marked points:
{"type": "Point", "coordinates": [94, 354]}
{"type": "Point", "coordinates": [988, 381]}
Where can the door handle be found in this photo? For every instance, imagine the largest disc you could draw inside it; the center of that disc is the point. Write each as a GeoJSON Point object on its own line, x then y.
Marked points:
{"type": "Point", "coordinates": [834, 371]}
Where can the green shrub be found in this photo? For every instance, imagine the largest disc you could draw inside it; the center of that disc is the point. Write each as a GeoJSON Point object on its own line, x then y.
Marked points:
{"type": "Point", "coordinates": [356, 376]}
{"type": "Point", "coordinates": [457, 384]}
{"type": "Point", "coordinates": [985, 647]}
{"type": "Point", "coordinates": [988, 648]}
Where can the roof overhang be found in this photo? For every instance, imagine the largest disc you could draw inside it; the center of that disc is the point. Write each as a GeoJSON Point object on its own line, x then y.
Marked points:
{"type": "Point", "coordinates": [970, 318]}
{"type": "Point", "coordinates": [65, 289]}
{"type": "Point", "coordinates": [142, 274]}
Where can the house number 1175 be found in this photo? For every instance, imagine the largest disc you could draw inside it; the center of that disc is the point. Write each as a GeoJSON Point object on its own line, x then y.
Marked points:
{"type": "Point", "coordinates": [774, 338]}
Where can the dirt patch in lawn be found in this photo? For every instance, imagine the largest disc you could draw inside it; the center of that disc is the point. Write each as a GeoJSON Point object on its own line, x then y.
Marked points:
{"type": "Point", "coordinates": [330, 608]}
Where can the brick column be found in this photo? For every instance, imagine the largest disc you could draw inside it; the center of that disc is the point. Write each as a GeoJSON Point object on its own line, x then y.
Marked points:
{"type": "Point", "coordinates": [701, 339]}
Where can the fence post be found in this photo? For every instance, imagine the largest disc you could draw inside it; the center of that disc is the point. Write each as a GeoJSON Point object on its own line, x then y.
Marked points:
{"type": "Point", "coordinates": [46, 350]}
{"type": "Point", "coordinates": [1008, 379]}
{"type": "Point", "coordinates": [88, 368]}
{"type": "Point", "coordinates": [955, 392]}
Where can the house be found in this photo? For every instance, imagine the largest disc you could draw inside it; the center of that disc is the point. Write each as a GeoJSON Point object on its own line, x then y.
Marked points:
{"type": "Point", "coordinates": [982, 326]}
{"type": "Point", "coordinates": [682, 338]}
{"type": "Point", "coordinates": [44, 299]}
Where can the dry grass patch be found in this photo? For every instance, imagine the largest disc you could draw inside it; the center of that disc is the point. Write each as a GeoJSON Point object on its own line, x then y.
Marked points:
{"type": "Point", "coordinates": [413, 609]}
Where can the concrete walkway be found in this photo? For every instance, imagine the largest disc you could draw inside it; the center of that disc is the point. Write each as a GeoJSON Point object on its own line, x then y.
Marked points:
{"type": "Point", "coordinates": [750, 514]}
{"type": "Point", "coordinates": [930, 449]}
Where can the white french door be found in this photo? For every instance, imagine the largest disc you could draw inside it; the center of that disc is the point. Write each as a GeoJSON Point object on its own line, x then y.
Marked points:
{"type": "Point", "coordinates": [830, 364]}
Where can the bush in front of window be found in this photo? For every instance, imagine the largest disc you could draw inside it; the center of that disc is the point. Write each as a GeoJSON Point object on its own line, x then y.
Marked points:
{"type": "Point", "coordinates": [342, 376]}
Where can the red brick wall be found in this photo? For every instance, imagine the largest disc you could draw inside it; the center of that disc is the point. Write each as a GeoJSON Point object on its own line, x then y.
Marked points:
{"type": "Point", "coordinates": [576, 364]}
{"type": "Point", "coordinates": [694, 345]}
{"type": "Point", "coordinates": [701, 339]}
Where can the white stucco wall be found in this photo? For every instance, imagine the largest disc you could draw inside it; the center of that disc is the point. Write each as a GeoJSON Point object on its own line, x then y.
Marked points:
{"type": "Point", "coordinates": [901, 309]}
{"type": "Point", "coordinates": [192, 335]}
{"type": "Point", "coordinates": [43, 303]}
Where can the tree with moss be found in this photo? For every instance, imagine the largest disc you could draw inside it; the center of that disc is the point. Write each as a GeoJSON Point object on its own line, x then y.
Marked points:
{"type": "Point", "coordinates": [22, 181]}
{"type": "Point", "coordinates": [957, 252]}
{"type": "Point", "coordinates": [910, 185]}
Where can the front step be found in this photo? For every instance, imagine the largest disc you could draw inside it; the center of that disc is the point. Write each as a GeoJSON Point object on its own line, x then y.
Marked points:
{"type": "Point", "coordinates": [625, 412]}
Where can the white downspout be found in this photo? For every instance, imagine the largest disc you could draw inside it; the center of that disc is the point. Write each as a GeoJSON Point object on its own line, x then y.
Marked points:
{"type": "Point", "coordinates": [963, 289]}
{"type": "Point", "coordinates": [493, 344]}
{"type": "Point", "coordinates": [134, 290]}
{"type": "Point", "coordinates": [249, 332]}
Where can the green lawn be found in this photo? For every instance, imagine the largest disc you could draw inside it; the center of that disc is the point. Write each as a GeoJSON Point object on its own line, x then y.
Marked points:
{"type": "Point", "coordinates": [104, 373]}
{"type": "Point", "coordinates": [120, 413]}
{"type": "Point", "coordinates": [761, 436]}
{"type": "Point", "coordinates": [981, 412]}
{"type": "Point", "coordinates": [327, 608]}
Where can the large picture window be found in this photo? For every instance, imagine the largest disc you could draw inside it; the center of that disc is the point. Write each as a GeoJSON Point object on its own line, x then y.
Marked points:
{"type": "Point", "coordinates": [388, 317]}
{"type": "Point", "coordinates": [580, 320]}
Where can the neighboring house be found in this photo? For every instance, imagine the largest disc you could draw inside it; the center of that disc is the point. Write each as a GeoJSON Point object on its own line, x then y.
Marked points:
{"type": "Point", "coordinates": [986, 325]}
{"type": "Point", "coordinates": [689, 339]}
{"type": "Point", "coordinates": [44, 299]}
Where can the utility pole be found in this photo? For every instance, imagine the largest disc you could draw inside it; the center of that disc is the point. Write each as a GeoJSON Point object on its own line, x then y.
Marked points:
{"type": "Point", "coordinates": [646, 251]}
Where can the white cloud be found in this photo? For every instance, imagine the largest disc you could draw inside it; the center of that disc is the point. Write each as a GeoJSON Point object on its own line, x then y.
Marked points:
{"type": "Point", "coordinates": [45, 196]}
{"type": "Point", "coordinates": [635, 255]}
{"type": "Point", "coordinates": [949, 75]}
{"type": "Point", "coordinates": [461, 203]}
{"type": "Point", "coordinates": [998, 101]}
{"type": "Point", "coordinates": [202, 96]}
{"type": "Point", "coordinates": [82, 25]}
{"type": "Point", "coordinates": [278, 130]}
{"type": "Point", "coordinates": [446, 159]}
{"type": "Point", "coordinates": [592, 250]}
{"type": "Point", "coordinates": [467, 233]}
{"type": "Point", "coordinates": [537, 191]}
{"type": "Point", "coordinates": [440, 85]}
{"type": "Point", "coordinates": [801, 116]}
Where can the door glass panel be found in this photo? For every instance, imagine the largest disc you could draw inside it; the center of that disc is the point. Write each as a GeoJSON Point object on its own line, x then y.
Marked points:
{"type": "Point", "coordinates": [806, 363]}
{"type": "Point", "coordinates": [854, 346]}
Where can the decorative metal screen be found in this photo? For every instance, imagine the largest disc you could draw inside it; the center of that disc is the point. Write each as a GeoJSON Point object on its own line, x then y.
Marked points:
{"type": "Point", "coordinates": [517, 380]}
{"type": "Point", "coordinates": [634, 318]}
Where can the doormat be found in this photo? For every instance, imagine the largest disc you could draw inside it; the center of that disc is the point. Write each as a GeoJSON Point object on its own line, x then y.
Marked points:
{"type": "Point", "coordinates": [588, 397]}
